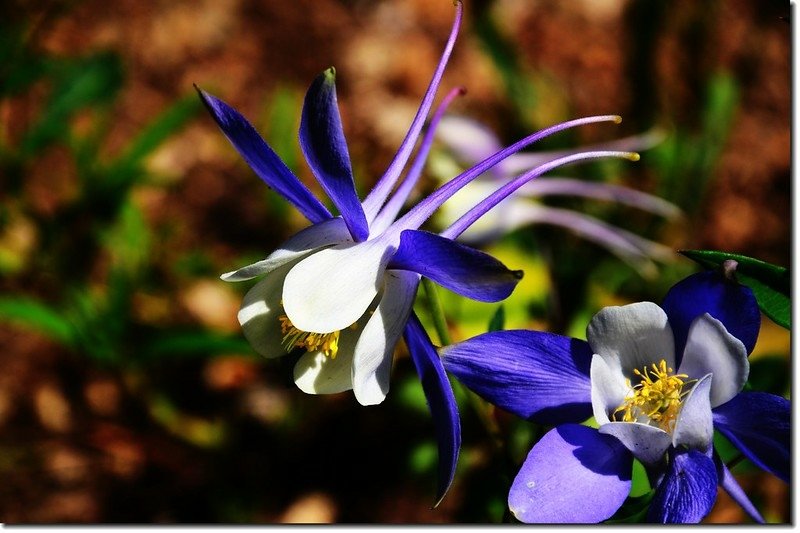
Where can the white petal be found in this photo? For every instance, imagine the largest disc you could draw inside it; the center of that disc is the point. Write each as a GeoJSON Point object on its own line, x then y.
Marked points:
{"type": "Point", "coordinates": [632, 337]}
{"type": "Point", "coordinates": [646, 443]}
{"type": "Point", "coordinates": [331, 289]}
{"type": "Point", "coordinates": [608, 388]}
{"type": "Point", "coordinates": [316, 373]}
{"type": "Point", "coordinates": [372, 362]}
{"type": "Point", "coordinates": [710, 349]}
{"type": "Point", "coordinates": [695, 425]}
{"type": "Point", "coordinates": [259, 314]}
{"type": "Point", "coordinates": [327, 233]}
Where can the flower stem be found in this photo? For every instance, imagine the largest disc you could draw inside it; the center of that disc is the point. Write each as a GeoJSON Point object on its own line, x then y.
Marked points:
{"type": "Point", "coordinates": [437, 312]}
{"type": "Point", "coordinates": [483, 410]}
{"type": "Point", "coordinates": [735, 461]}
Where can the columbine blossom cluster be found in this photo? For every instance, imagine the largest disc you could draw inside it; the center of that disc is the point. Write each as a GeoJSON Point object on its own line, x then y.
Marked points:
{"type": "Point", "coordinates": [658, 381]}
{"type": "Point", "coordinates": [341, 290]}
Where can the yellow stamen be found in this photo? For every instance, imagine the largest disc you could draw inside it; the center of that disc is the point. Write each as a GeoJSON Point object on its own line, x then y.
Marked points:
{"type": "Point", "coordinates": [657, 397]}
{"type": "Point", "coordinates": [327, 343]}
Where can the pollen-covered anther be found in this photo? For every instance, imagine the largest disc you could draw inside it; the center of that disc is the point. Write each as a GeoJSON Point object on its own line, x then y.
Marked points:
{"type": "Point", "coordinates": [327, 343]}
{"type": "Point", "coordinates": [656, 398]}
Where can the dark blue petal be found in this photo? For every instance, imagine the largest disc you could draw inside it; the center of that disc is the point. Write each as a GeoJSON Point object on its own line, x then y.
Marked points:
{"type": "Point", "coordinates": [461, 269]}
{"type": "Point", "coordinates": [535, 375]}
{"type": "Point", "coordinates": [323, 143]}
{"type": "Point", "coordinates": [441, 401]}
{"type": "Point", "coordinates": [688, 490]}
{"type": "Point", "coordinates": [710, 292]}
{"type": "Point", "coordinates": [758, 424]}
{"type": "Point", "coordinates": [264, 162]}
{"type": "Point", "coordinates": [572, 475]}
{"type": "Point", "coordinates": [734, 490]}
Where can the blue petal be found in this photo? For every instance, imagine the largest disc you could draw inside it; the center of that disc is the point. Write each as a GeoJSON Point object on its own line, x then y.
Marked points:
{"type": "Point", "coordinates": [539, 376]}
{"type": "Point", "coordinates": [688, 490]}
{"type": "Point", "coordinates": [262, 159]}
{"type": "Point", "coordinates": [323, 143]}
{"type": "Point", "coordinates": [757, 423]}
{"type": "Point", "coordinates": [734, 490]}
{"type": "Point", "coordinates": [710, 292]}
{"type": "Point", "coordinates": [441, 401]}
{"type": "Point", "coordinates": [572, 475]}
{"type": "Point", "coordinates": [461, 269]}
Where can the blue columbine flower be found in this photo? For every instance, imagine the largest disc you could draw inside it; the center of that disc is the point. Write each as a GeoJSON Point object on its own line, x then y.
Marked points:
{"type": "Point", "coordinates": [342, 289]}
{"type": "Point", "coordinates": [658, 380]}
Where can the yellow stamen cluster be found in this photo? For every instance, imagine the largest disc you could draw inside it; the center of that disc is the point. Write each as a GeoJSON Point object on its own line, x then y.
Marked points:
{"type": "Point", "coordinates": [327, 343]}
{"type": "Point", "coordinates": [657, 396]}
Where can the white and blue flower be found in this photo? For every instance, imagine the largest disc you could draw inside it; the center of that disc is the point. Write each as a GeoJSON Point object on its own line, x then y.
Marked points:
{"type": "Point", "coordinates": [658, 381]}
{"type": "Point", "coordinates": [342, 289]}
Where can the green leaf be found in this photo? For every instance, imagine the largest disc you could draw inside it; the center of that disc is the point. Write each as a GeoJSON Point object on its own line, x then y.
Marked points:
{"type": "Point", "coordinates": [169, 122]}
{"type": "Point", "coordinates": [498, 320]}
{"type": "Point", "coordinates": [128, 240]}
{"type": "Point", "coordinates": [79, 84]}
{"type": "Point", "coordinates": [20, 66]}
{"type": "Point", "coordinates": [411, 396]}
{"type": "Point", "coordinates": [770, 373]}
{"type": "Point", "coordinates": [771, 284]}
{"type": "Point", "coordinates": [38, 316]}
{"type": "Point", "coordinates": [506, 59]}
{"type": "Point", "coordinates": [423, 457]}
{"type": "Point", "coordinates": [282, 125]}
{"type": "Point", "coordinates": [199, 343]}
{"type": "Point", "coordinates": [95, 337]}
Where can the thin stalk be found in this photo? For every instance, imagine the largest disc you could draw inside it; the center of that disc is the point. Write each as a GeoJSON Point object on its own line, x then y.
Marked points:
{"type": "Point", "coordinates": [482, 409]}
{"type": "Point", "coordinates": [437, 312]}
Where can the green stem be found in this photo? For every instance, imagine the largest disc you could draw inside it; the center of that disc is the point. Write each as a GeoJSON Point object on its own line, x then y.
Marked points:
{"type": "Point", "coordinates": [482, 409]}
{"type": "Point", "coordinates": [735, 461]}
{"type": "Point", "coordinates": [437, 312]}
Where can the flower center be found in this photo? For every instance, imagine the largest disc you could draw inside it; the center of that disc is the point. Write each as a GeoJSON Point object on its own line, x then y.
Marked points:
{"type": "Point", "coordinates": [657, 396]}
{"type": "Point", "coordinates": [327, 343]}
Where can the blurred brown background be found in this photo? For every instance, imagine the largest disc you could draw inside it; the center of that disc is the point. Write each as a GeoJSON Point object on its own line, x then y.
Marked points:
{"type": "Point", "coordinates": [229, 439]}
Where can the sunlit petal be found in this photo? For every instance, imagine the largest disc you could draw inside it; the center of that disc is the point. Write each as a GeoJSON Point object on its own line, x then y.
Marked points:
{"type": "Point", "coordinates": [331, 289]}
{"type": "Point", "coordinates": [327, 233]}
{"type": "Point", "coordinates": [646, 443]}
{"type": "Point", "coordinates": [317, 373]}
{"type": "Point", "coordinates": [632, 336]}
{"type": "Point", "coordinates": [694, 427]}
{"type": "Point", "coordinates": [323, 143]}
{"type": "Point", "coordinates": [710, 349]}
{"type": "Point", "coordinates": [372, 362]}
{"type": "Point", "coordinates": [568, 464]}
